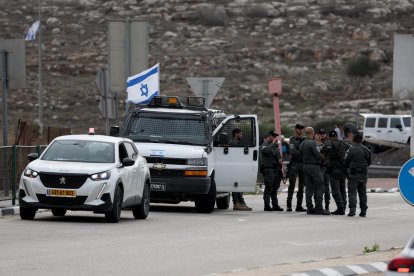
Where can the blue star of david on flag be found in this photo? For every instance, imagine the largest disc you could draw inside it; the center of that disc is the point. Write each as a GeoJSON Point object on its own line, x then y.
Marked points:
{"type": "Point", "coordinates": [142, 87]}
{"type": "Point", "coordinates": [144, 90]}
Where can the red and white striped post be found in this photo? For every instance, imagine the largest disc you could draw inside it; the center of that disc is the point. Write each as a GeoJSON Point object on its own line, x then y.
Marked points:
{"type": "Point", "coordinates": [275, 89]}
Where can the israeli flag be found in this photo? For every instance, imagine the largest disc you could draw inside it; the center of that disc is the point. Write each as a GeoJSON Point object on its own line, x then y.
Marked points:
{"type": "Point", "coordinates": [31, 34]}
{"type": "Point", "coordinates": [142, 87]}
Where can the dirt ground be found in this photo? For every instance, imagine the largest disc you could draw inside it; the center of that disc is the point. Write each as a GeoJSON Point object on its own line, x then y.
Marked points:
{"type": "Point", "coordinates": [392, 157]}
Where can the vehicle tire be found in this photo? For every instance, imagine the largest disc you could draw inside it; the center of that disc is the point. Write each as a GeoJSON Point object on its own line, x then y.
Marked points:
{"type": "Point", "coordinates": [58, 212]}
{"type": "Point", "coordinates": [27, 213]}
{"type": "Point", "coordinates": [223, 202]}
{"type": "Point", "coordinates": [206, 203]}
{"type": "Point", "coordinates": [114, 215]}
{"type": "Point", "coordinates": [141, 211]}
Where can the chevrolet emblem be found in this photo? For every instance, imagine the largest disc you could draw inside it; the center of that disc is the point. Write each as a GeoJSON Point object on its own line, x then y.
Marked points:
{"type": "Point", "coordinates": [62, 181]}
{"type": "Point", "coordinates": [159, 166]}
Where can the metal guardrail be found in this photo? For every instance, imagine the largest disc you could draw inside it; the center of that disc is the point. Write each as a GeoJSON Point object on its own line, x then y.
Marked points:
{"type": "Point", "coordinates": [383, 171]}
{"type": "Point", "coordinates": [13, 160]}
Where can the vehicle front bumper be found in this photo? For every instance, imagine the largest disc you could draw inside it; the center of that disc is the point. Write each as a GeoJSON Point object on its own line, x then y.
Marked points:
{"type": "Point", "coordinates": [91, 196]}
{"type": "Point", "coordinates": [186, 185]}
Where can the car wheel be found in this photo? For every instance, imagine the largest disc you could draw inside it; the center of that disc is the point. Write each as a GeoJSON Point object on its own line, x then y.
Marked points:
{"type": "Point", "coordinates": [141, 211]}
{"type": "Point", "coordinates": [223, 202]}
{"type": "Point", "coordinates": [115, 214]}
{"type": "Point", "coordinates": [58, 212]}
{"type": "Point", "coordinates": [206, 203]}
{"type": "Point", "coordinates": [27, 213]}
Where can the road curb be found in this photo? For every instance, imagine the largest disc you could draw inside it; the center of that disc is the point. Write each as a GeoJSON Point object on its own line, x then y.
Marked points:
{"type": "Point", "coordinates": [260, 188]}
{"type": "Point", "coordinates": [9, 211]}
{"type": "Point", "coordinates": [345, 270]}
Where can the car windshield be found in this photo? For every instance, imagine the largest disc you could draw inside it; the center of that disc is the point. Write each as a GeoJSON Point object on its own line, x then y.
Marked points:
{"type": "Point", "coordinates": [167, 129]}
{"type": "Point", "coordinates": [80, 151]}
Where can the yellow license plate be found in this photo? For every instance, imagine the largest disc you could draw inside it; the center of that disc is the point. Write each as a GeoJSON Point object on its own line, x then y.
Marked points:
{"type": "Point", "coordinates": [61, 193]}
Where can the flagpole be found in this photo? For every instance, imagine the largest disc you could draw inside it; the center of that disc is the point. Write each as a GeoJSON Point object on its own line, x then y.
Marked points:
{"type": "Point", "coordinates": [40, 70]}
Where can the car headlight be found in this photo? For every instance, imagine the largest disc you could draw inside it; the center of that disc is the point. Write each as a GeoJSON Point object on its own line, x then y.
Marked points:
{"type": "Point", "coordinates": [197, 161]}
{"type": "Point", "coordinates": [30, 173]}
{"type": "Point", "coordinates": [101, 176]}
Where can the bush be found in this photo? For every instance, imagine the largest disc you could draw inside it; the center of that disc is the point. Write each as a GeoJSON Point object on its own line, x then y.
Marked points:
{"type": "Point", "coordinates": [361, 67]}
{"type": "Point", "coordinates": [356, 11]}
{"type": "Point", "coordinates": [374, 248]}
{"type": "Point", "coordinates": [257, 12]}
{"type": "Point", "coordinates": [210, 17]}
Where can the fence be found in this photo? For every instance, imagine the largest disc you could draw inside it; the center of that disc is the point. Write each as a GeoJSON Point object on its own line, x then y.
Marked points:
{"type": "Point", "coordinates": [13, 160]}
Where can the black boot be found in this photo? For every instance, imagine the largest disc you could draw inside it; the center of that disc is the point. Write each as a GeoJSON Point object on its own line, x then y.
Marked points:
{"type": "Point", "coordinates": [351, 213]}
{"type": "Point", "coordinates": [277, 208]}
{"type": "Point", "coordinates": [339, 211]}
{"type": "Point", "coordinates": [289, 206]}
{"type": "Point", "coordinates": [322, 212]}
{"type": "Point", "coordinates": [268, 208]}
{"type": "Point", "coordinates": [300, 209]}
{"type": "Point", "coordinates": [327, 207]}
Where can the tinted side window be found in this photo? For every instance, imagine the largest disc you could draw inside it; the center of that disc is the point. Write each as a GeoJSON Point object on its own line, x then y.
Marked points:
{"type": "Point", "coordinates": [132, 153]}
{"type": "Point", "coordinates": [370, 122]}
{"type": "Point", "coordinates": [237, 133]}
{"type": "Point", "coordinates": [395, 122]}
{"type": "Point", "coordinates": [407, 121]}
{"type": "Point", "coordinates": [382, 122]}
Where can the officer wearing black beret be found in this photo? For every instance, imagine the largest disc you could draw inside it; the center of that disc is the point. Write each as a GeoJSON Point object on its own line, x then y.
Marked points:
{"type": "Point", "coordinates": [271, 159]}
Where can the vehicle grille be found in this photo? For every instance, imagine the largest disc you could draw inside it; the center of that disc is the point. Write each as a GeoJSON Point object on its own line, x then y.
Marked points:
{"type": "Point", "coordinates": [171, 161]}
{"type": "Point", "coordinates": [166, 173]}
{"type": "Point", "coordinates": [65, 201]}
{"type": "Point", "coordinates": [72, 181]}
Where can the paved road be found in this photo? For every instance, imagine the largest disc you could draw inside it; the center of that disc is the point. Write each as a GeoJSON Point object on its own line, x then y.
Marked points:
{"type": "Point", "coordinates": [175, 240]}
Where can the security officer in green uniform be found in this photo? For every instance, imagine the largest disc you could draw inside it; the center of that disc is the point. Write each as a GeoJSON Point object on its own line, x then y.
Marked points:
{"type": "Point", "coordinates": [321, 139]}
{"type": "Point", "coordinates": [295, 168]}
{"type": "Point", "coordinates": [334, 152]}
{"type": "Point", "coordinates": [270, 161]}
{"type": "Point", "coordinates": [312, 158]}
{"type": "Point", "coordinates": [357, 160]}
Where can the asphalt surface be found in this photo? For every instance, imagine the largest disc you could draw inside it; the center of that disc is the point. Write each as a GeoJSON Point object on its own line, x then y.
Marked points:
{"type": "Point", "coordinates": [175, 240]}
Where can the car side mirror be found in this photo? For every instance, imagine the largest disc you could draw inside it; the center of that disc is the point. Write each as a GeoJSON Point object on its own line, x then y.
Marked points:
{"type": "Point", "coordinates": [399, 127]}
{"type": "Point", "coordinates": [127, 162]}
{"type": "Point", "coordinates": [114, 131]}
{"type": "Point", "coordinates": [32, 156]}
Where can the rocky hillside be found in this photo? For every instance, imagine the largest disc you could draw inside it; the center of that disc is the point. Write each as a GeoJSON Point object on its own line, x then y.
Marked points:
{"type": "Point", "coordinates": [306, 42]}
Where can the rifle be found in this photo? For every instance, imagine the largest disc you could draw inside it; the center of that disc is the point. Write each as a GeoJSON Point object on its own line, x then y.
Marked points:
{"type": "Point", "coordinates": [285, 176]}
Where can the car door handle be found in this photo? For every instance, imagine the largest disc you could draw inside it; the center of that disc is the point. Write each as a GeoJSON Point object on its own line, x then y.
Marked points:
{"type": "Point", "coordinates": [378, 130]}
{"type": "Point", "coordinates": [389, 130]}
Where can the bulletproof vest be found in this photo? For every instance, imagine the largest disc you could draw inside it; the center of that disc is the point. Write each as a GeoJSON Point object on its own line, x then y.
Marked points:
{"type": "Point", "coordinates": [294, 143]}
{"type": "Point", "coordinates": [336, 151]}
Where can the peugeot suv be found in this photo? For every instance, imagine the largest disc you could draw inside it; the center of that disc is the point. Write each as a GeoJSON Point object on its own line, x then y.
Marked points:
{"type": "Point", "coordinates": [96, 173]}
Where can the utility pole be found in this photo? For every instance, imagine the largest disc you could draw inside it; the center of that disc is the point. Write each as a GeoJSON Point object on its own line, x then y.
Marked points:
{"type": "Point", "coordinates": [40, 69]}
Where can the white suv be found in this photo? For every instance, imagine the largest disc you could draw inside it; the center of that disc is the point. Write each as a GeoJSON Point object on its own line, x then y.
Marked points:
{"type": "Point", "coordinates": [97, 173]}
{"type": "Point", "coordinates": [190, 152]}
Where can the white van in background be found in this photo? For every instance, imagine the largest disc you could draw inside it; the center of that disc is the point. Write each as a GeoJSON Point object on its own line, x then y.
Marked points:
{"type": "Point", "coordinates": [393, 128]}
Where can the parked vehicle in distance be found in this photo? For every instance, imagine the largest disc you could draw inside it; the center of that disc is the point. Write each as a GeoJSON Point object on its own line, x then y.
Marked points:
{"type": "Point", "coordinates": [404, 263]}
{"type": "Point", "coordinates": [190, 152]}
{"type": "Point", "coordinates": [95, 173]}
{"type": "Point", "coordinates": [393, 128]}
